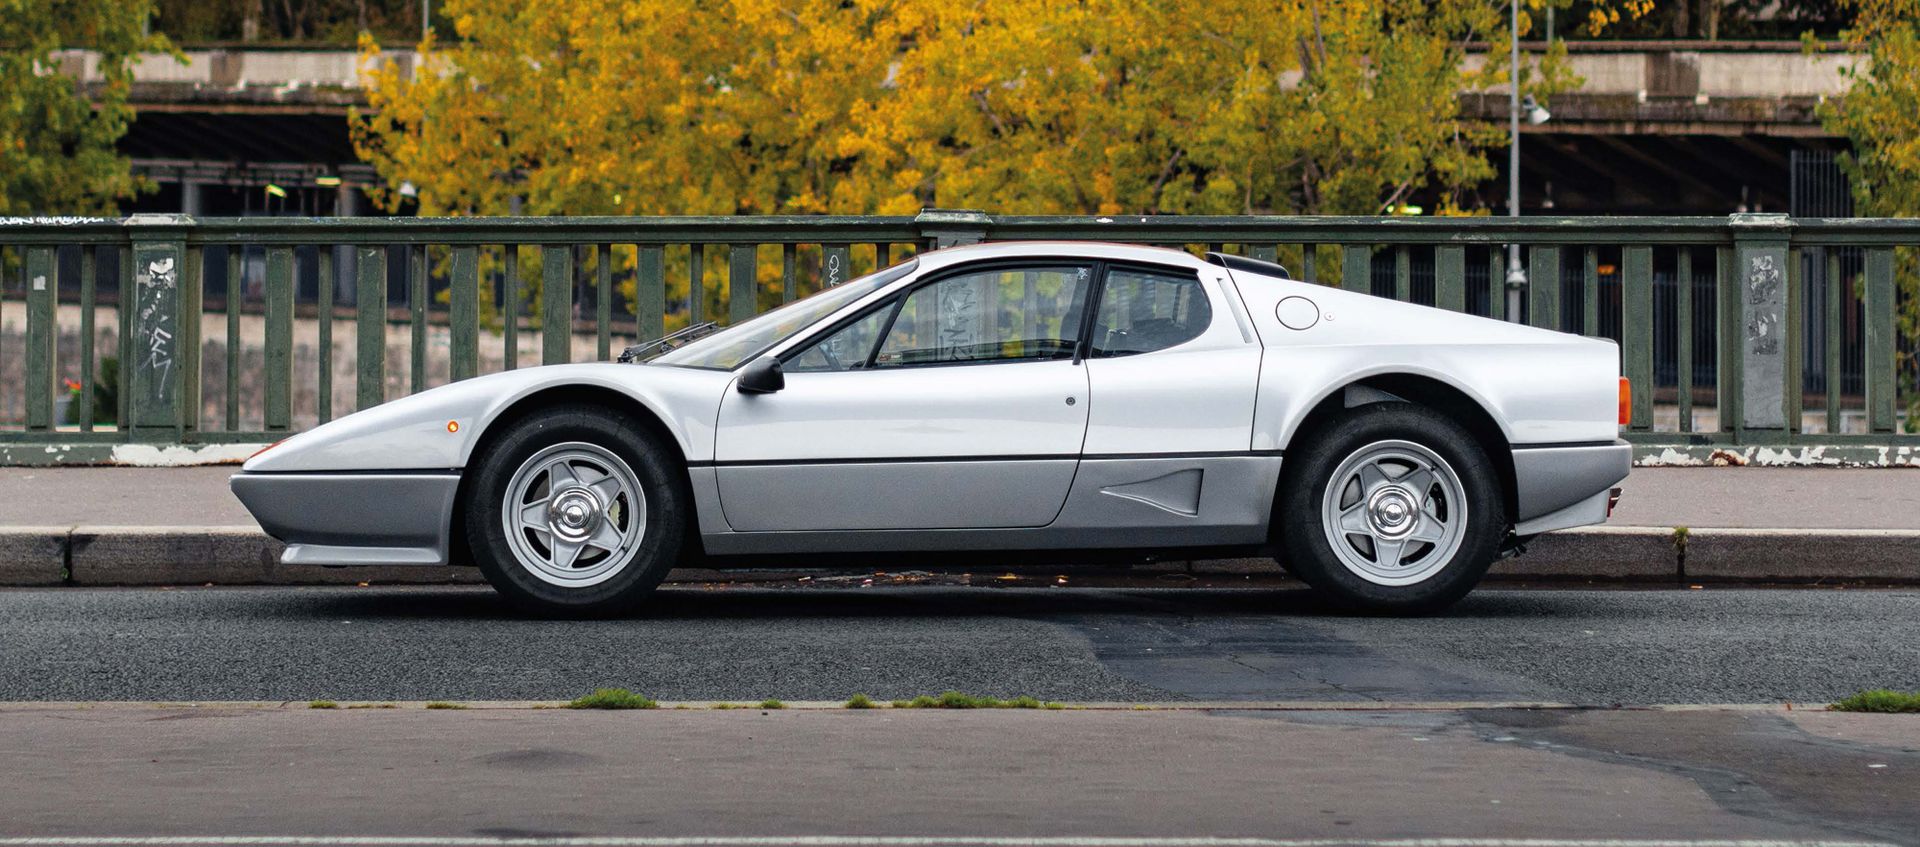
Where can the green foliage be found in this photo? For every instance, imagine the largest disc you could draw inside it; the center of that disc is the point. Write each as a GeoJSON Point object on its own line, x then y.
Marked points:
{"type": "Point", "coordinates": [771, 703]}
{"type": "Point", "coordinates": [106, 391]}
{"type": "Point", "coordinates": [1881, 116]}
{"type": "Point", "coordinates": [322, 704]}
{"type": "Point", "coordinates": [859, 701]}
{"type": "Point", "coordinates": [958, 700]}
{"type": "Point", "coordinates": [56, 140]}
{"type": "Point", "coordinates": [1880, 700]}
{"type": "Point", "coordinates": [440, 704]}
{"type": "Point", "coordinates": [613, 698]}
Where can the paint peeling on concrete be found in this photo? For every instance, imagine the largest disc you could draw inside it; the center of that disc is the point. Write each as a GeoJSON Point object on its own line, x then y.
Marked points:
{"type": "Point", "coordinates": [174, 456]}
{"type": "Point", "coordinates": [1667, 457]}
{"type": "Point", "coordinates": [1806, 456]}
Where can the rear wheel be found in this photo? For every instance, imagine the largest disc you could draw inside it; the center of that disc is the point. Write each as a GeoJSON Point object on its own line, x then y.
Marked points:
{"type": "Point", "coordinates": [575, 511]}
{"type": "Point", "coordinates": [1391, 507]}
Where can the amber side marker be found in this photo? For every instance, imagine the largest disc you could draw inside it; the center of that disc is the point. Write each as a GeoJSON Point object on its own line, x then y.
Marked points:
{"type": "Point", "coordinates": [1626, 401]}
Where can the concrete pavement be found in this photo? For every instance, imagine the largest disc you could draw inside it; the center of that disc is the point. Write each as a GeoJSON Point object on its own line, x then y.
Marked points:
{"type": "Point", "coordinates": [131, 526]}
{"type": "Point", "coordinates": [493, 774]}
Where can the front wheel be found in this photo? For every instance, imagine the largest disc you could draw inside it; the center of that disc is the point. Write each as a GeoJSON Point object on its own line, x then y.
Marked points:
{"type": "Point", "coordinates": [573, 511]}
{"type": "Point", "coordinates": [1392, 507]}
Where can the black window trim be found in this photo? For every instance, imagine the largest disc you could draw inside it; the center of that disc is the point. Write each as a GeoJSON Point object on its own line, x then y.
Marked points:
{"type": "Point", "coordinates": [893, 302]}
{"type": "Point", "coordinates": [1086, 334]}
{"type": "Point", "coordinates": [1083, 345]}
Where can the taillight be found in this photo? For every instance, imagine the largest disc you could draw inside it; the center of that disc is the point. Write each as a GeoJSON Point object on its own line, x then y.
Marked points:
{"type": "Point", "coordinates": [1626, 402]}
{"type": "Point", "coordinates": [266, 448]}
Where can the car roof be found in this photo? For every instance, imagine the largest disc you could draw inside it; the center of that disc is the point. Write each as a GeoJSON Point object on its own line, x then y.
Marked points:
{"type": "Point", "coordinates": [1076, 249]}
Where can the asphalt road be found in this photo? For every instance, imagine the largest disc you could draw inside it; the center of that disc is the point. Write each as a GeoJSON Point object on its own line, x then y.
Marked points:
{"type": "Point", "coordinates": [1128, 645]}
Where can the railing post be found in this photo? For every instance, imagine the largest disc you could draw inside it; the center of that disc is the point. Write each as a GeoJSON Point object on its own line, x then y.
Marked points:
{"type": "Point", "coordinates": [1636, 325]}
{"type": "Point", "coordinates": [556, 305]}
{"type": "Point", "coordinates": [156, 378]}
{"type": "Point", "coordinates": [743, 284]}
{"type": "Point", "coordinates": [952, 227]}
{"type": "Point", "coordinates": [43, 320]}
{"type": "Point", "coordinates": [1881, 348]}
{"type": "Point", "coordinates": [370, 326]}
{"type": "Point", "coordinates": [279, 349]}
{"type": "Point", "coordinates": [463, 314]}
{"type": "Point", "coordinates": [1760, 244]}
{"type": "Point", "coordinates": [1543, 286]}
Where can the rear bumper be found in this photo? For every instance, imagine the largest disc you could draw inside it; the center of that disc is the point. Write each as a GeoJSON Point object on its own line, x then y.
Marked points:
{"type": "Point", "coordinates": [1563, 486]}
{"type": "Point", "coordinates": [353, 518]}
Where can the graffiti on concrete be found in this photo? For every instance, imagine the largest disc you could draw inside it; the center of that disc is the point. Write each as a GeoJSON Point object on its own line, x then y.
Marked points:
{"type": "Point", "coordinates": [157, 281]}
{"type": "Point", "coordinates": [1763, 290]}
{"type": "Point", "coordinates": [835, 273]}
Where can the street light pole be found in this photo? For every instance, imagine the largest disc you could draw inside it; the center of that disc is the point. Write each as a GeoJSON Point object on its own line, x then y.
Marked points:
{"type": "Point", "coordinates": [1516, 276]}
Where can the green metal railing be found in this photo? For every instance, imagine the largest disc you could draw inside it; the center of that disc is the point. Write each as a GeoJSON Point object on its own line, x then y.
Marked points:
{"type": "Point", "coordinates": [1714, 315]}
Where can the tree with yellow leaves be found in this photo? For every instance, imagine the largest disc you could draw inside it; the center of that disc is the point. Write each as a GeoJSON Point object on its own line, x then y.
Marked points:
{"type": "Point", "coordinates": [883, 106]}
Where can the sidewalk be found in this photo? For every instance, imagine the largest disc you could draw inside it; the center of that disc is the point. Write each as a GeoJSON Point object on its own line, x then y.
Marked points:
{"type": "Point", "coordinates": [118, 526]}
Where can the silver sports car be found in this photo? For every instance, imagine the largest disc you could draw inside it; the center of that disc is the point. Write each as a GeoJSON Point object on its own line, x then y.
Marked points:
{"type": "Point", "coordinates": [1011, 400]}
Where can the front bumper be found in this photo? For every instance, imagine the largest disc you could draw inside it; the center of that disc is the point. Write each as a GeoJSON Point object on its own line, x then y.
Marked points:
{"type": "Point", "coordinates": [1562, 486]}
{"type": "Point", "coordinates": [353, 518]}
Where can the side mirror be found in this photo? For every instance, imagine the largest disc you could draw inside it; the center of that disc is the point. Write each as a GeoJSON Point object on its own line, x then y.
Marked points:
{"type": "Point", "coordinates": [762, 376]}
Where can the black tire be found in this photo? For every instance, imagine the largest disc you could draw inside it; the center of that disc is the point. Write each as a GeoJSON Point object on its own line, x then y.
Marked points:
{"type": "Point", "coordinates": [660, 541]}
{"type": "Point", "coordinates": [1307, 539]}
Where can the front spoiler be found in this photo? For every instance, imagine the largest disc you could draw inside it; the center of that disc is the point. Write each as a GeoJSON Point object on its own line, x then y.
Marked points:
{"type": "Point", "coordinates": [353, 518]}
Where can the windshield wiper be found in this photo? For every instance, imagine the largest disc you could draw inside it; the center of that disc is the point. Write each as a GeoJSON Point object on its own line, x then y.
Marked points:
{"type": "Point", "coordinates": [648, 350]}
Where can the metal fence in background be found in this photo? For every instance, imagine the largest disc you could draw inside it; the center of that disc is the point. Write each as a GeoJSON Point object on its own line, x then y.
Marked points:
{"type": "Point", "coordinates": [1732, 328]}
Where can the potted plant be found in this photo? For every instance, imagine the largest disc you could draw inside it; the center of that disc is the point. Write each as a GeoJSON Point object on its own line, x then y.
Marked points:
{"type": "Point", "coordinates": [63, 409]}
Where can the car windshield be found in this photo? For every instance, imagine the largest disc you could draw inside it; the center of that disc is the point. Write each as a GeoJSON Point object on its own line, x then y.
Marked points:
{"type": "Point", "coordinates": [727, 349]}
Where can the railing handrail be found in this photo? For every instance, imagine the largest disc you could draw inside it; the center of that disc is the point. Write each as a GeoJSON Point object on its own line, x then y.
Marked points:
{"type": "Point", "coordinates": [776, 229]}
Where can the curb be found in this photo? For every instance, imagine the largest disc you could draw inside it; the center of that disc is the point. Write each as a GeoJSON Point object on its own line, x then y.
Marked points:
{"type": "Point", "coordinates": [882, 705]}
{"type": "Point", "coordinates": [1698, 555]}
{"type": "Point", "coordinates": [90, 555]}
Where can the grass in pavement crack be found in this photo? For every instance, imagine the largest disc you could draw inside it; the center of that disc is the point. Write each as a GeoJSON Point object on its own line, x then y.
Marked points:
{"type": "Point", "coordinates": [1881, 700]}
{"type": "Point", "coordinates": [613, 698]}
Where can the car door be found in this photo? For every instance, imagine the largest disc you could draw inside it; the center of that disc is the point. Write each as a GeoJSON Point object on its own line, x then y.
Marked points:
{"type": "Point", "coordinates": [958, 404]}
{"type": "Point", "coordinates": [1173, 368]}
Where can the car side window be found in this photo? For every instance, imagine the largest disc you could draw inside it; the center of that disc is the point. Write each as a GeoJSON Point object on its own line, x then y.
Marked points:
{"type": "Point", "coordinates": [1004, 314]}
{"type": "Point", "coordinates": [1143, 311]}
{"type": "Point", "coordinates": [845, 350]}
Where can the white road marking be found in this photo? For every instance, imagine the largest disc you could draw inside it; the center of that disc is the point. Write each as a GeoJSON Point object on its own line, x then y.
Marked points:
{"type": "Point", "coordinates": [878, 841]}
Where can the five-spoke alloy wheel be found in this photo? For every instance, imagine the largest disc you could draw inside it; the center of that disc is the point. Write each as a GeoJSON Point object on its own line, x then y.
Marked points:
{"type": "Point", "coordinates": [575, 514]}
{"type": "Point", "coordinates": [575, 510]}
{"type": "Point", "coordinates": [1394, 513]}
{"type": "Point", "coordinates": [1389, 507]}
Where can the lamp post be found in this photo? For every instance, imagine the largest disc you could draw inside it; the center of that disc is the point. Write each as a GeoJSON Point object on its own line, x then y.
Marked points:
{"type": "Point", "coordinates": [1516, 275]}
